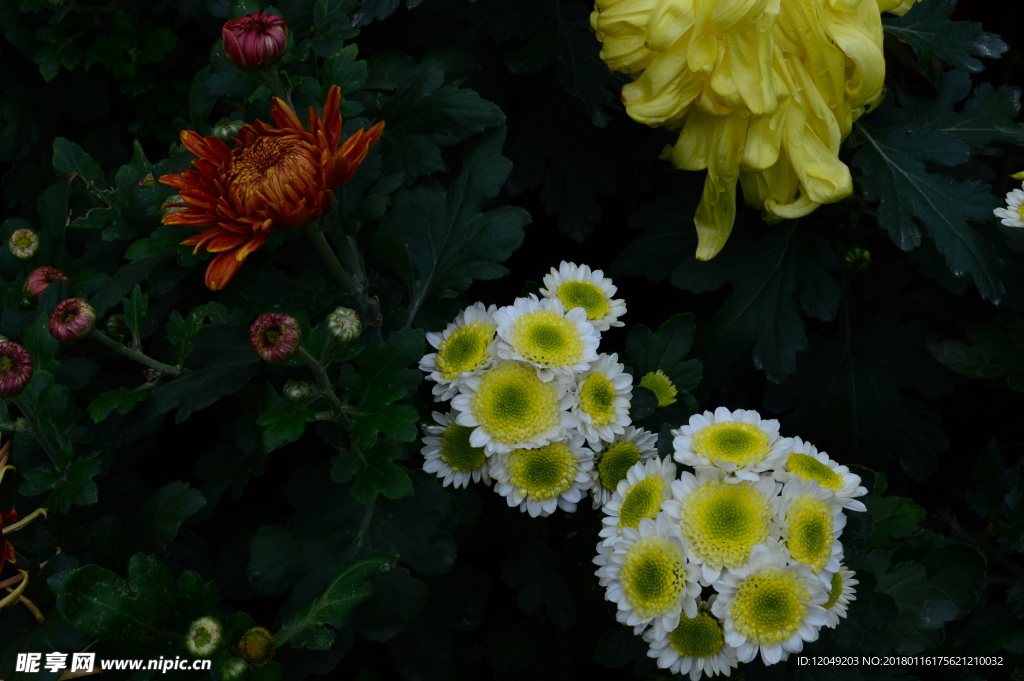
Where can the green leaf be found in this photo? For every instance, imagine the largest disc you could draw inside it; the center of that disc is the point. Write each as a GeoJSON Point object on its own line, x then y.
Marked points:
{"type": "Point", "coordinates": [894, 518]}
{"type": "Point", "coordinates": [227, 466]}
{"type": "Point", "coordinates": [922, 607]}
{"type": "Point", "coordinates": [447, 237]}
{"type": "Point", "coordinates": [182, 330]}
{"type": "Point", "coordinates": [772, 278]}
{"type": "Point", "coordinates": [70, 159]}
{"type": "Point", "coordinates": [121, 399]}
{"type": "Point", "coordinates": [850, 394]}
{"type": "Point", "coordinates": [373, 10]}
{"type": "Point", "coordinates": [423, 115]}
{"type": "Point", "coordinates": [894, 175]}
{"type": "Point", "coordinates": [989, 355]}
{"type": "Point", "coordinates": [135, 312]}
{"type": "Point", "coordinates": [987, 117]}
{"type": "Point", "coordinates": [59, 51]}
{"type": "Point", "coordinates": [159, 519]}
{"type": "Point", "coordinates": [956, 570]}
{"type": "Point", "coordinates": [533, 568]}
{"type": "Point", "coordinates": [107, 607]}
{"type": "Point", "coordinates": [331, 26]}
{"type": "Point", "coordinates": [375, 472]}
{"type": "Point", "coordinates": [385, 376]}
{"type": "Point", "coordinates": [305, 627]}
{"type": "Point", "coordinates": [929, 30]}
{"type": "Point", "coordinates": [71, 486]}
{"type": "Point", "coordinates": [345, 71]}
{"type": "Point", "coordinates": [397, 599]}
{"type": "Point", "coordinates": [283, 421]}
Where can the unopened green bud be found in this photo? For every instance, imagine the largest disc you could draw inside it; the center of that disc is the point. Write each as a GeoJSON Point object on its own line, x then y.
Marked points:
{"type": "Point", "coordinates": [857, 259]}
{"type": "Point", "coordinates": [344, 325]}
{"type": "Point", "coordinates": [23, 244]}
{"type": "Point", "coordinates": [297, 391]}
{"type": "Point", "coordinates": [116, 327]}
{"type": "Point", "coordinates": [257, 646]}
{"type": "Point", "coordinates": [233, 669]}
{"type": "Point", "coordinates": [204, 637]}
{"type": "Point", "coordinates": [227, 131]}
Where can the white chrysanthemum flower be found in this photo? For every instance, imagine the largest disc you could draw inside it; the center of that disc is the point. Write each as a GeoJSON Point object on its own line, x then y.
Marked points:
{"type": "Point", "coordinates": [648, 578]}
{"type": "Point", "coordinates": [449, 454]}
{"type": "Point", "coordinates": [603, 394]}
{"type": "Point", "coordinates": [465, 348]}
{"type": "Point", "coordinates": [510, 407]}
{"type": "Point", "coordinates": [578, 286]}
{"type": "Point", "coordinates": [647, 485]}
{"type": "Point", "coordinates": [805, 462]}
{"type": "Point", "coordinates": [1012, 215]}
{"type": "Point", "coordinates": [811, 520]}
{"type": "Point", "coordinates": [722, 521]}
{"type": "Point", "coordinates": [840, 593]}
{"type": "Point", "coordinates": [738, 442]}
{"type": "Point", "coordinates": [769, 606]}
{"type": "Point", "coordinates": [543, 333]}
{"type": "Point", "coordinates": [540, 480]}
{"type": "Point", "coordinates": [695, 647]}
{"type": "Point", "coordinates": [613, 461]}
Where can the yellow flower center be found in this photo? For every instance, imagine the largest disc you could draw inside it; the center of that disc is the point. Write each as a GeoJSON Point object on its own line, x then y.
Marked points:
{"type": "Point", "coordinates": [737, 443]}
{"type": "Point", "coordinates": [642, 500]}
{"type": "Point", "coordinates": [809, 468]}
{"type": "Point", "coordinates": [464, 350]}
{"type": "Point", "coordinates": [810, 532]}
{"type": "Point", "coordinates": [544, 472]}
{"type": "Point", "coordinates": [513, 405]}
{"type": "Point", "coordinates": [698, 637]}
{"type": "Point", "coordinates": [615, 462]}
{"type": "Point", "coordinates": [544, 338]}
{"type": "Point", "coordinates": [653, 576]}
{"type": "Point", "coordinates": [770, 606]}
{"type": "Point", "coordinates": [597, 397]}
{"type": "Point", "coordinates": [457, 452]}
{"type": "Point", "coordinates": [723, 521]}
{"type": "Point", "coordinates": [268, 168]}
{"type": "Point", "coordinates": [587, 295]}
{"type": "Point", "coordinates": [659, 383]}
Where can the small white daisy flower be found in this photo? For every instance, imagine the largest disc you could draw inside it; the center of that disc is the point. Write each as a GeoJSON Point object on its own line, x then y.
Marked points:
{"type": "Point", "coordinates": [840, 593]}
{"type": "Point", "coordinates": [449, 454]}
{"type": "Point", "coordinates": [510, 407]}
{"type": "Point", "coordinates": [1012, 215]}
{"type": "Point", "coordinates": [648, 578]}
{"type": "Point", "coordinates": [543, 333]}
{"type": "Point", "coordinates": [647, 485]}
{"type": "Point", "coordinates": [769, 606]}
{"type": "Point", "coordinates": [578, 286]}
{"type": "Point", "coordinates": [695, 647]}
{"type": "Point", "coordinates": [722, 521]}
{"type": "Point", "coordinates": [540, 480]}
{"type": "Point", "coordinates": [603, 394]}
{"type": "Point", "coordinates": [613, 461]}
{"type": "Point", "coordinates": [811, 520]}
{"type": "Point", "coordinates": [805, 462]}
{"type": "Point", "coordinates": [465, 348]}
{"type": "Point", "coordinates": [738, 442]}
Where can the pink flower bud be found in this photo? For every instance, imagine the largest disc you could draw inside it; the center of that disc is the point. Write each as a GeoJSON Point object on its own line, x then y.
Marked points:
{"type": "Point", "coordinates": [37, 282]}
{"type": "Point", "coordinates": [15, 368]}
{"type": "Point", "coordinates": [71, 320]}
{"type": "Point", "coordinates": [274, 337]}
{"type": "Point", "coordinates": [256, 40]}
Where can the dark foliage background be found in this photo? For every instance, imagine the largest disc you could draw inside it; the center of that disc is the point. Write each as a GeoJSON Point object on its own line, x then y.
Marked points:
{"type": "Point", "coordinates": [215, 495]}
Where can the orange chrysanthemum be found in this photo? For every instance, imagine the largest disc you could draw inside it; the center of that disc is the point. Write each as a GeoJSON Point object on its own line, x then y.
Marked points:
{"type": "Point", "coordinates": [275, 178]}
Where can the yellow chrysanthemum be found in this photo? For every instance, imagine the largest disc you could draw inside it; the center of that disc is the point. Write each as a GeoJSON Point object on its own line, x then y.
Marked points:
{"type": "Point", "coordinates": [762, 91]}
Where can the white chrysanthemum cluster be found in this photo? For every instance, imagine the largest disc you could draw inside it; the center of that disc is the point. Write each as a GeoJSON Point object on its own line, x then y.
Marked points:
{"type": "Point", "coordinates": [737, 554]}
{"type": "Point", "coordinates": [1013, 214]}
{"type": "Point", "coordinates": [534, 406]}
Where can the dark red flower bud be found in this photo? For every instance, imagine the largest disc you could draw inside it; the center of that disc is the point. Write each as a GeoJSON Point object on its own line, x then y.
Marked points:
{"type": "Point", "coordinates": [37, 282]}
{"type": "Point", "coordinates": [15, 368]}
{"type": "Point", "coordinates": [256, 40]}
{"type": "Point", "coordinates": [274, 337]}
{"type": "Point", "coordinates": [72, 319]}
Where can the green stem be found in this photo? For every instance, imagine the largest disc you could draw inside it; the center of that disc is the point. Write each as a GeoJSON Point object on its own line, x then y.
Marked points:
{"type": "Point", "coordinates": [352, 261]}
{"type": "Point", "coordinates": [271, 77]}
{"type": "Point", "coordinates": [135, 354]}
{"type": "Point", "coordinates": [327, 253]}
{"type": "Point", "coordinates": [322, 381]}
{"type": "Point", "coordinates": [38, 433]}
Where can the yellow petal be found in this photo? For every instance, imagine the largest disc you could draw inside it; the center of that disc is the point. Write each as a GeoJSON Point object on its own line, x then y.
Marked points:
{"type": "Point", "coordinates": [669, 20]}
{"type": "Point", "coordinates": [739, 15]}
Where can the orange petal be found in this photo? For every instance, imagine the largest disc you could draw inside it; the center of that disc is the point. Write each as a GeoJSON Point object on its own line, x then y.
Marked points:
{"type": "Point", "coordinates": [284, 116]}
{"type": "Point", "coordinates": [221, 270]}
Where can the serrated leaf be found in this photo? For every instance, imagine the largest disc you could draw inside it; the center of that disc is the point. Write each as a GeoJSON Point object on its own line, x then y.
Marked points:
{"type": "Point", "coordinates": [375, 472]}
{"type": "Point", "coordinates": [345, 71]}
{"type": "Point", "coordinates": [159, 519]}
{"type": "Point", "coordinates": [283, 421]}
{"type": "Point", "coordinates": [929, 30]}
{"type": "Point", "coordinates": [989, 355]}
{"type": "Point", "coordinates": [71, 486]}
{"type": "Point", "coordinates": [70, 159]}
{"type": "Point", "coordinates": [121, 399]}
{"type": "Point", "coordinates": [331, 26]}
{"type": "Point", "coordinates": [374, 10]}
{"type": "Point", "coordinates": [182, 330]}
{"type": "Point", "coordinates": [957, 570]}
{"type": "Point", "coordinates": [850, 394]}
{"type": "Point", "coordinates": [135, 312]}
{"type": "Point", "coordinates": [447, 236]}
{"type": "Point", "coordinates": [773, 278]}
{"type": "Point", "coordinates": [649, 351]}
{"type": "Point", "coordinates": [894, 175]}
{"type": "Point", "coordinates": [385, 376]}
{"type": "Point", "coordinates": [423, 115]}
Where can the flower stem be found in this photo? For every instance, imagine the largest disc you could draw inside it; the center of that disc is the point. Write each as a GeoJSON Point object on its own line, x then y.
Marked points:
{"type": "Point", "coordinates": [271, 77]}
{"type": "Point", "coordinates": [322, 381]}
{"type": "Point", "coordinates": [37, 432]}
{"type": "Point", "coordinates": [350, 257]}
{"type": "Point", "coordinates": [327, 253]}
{"type": "Point", "coordinates": [135, 354]}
